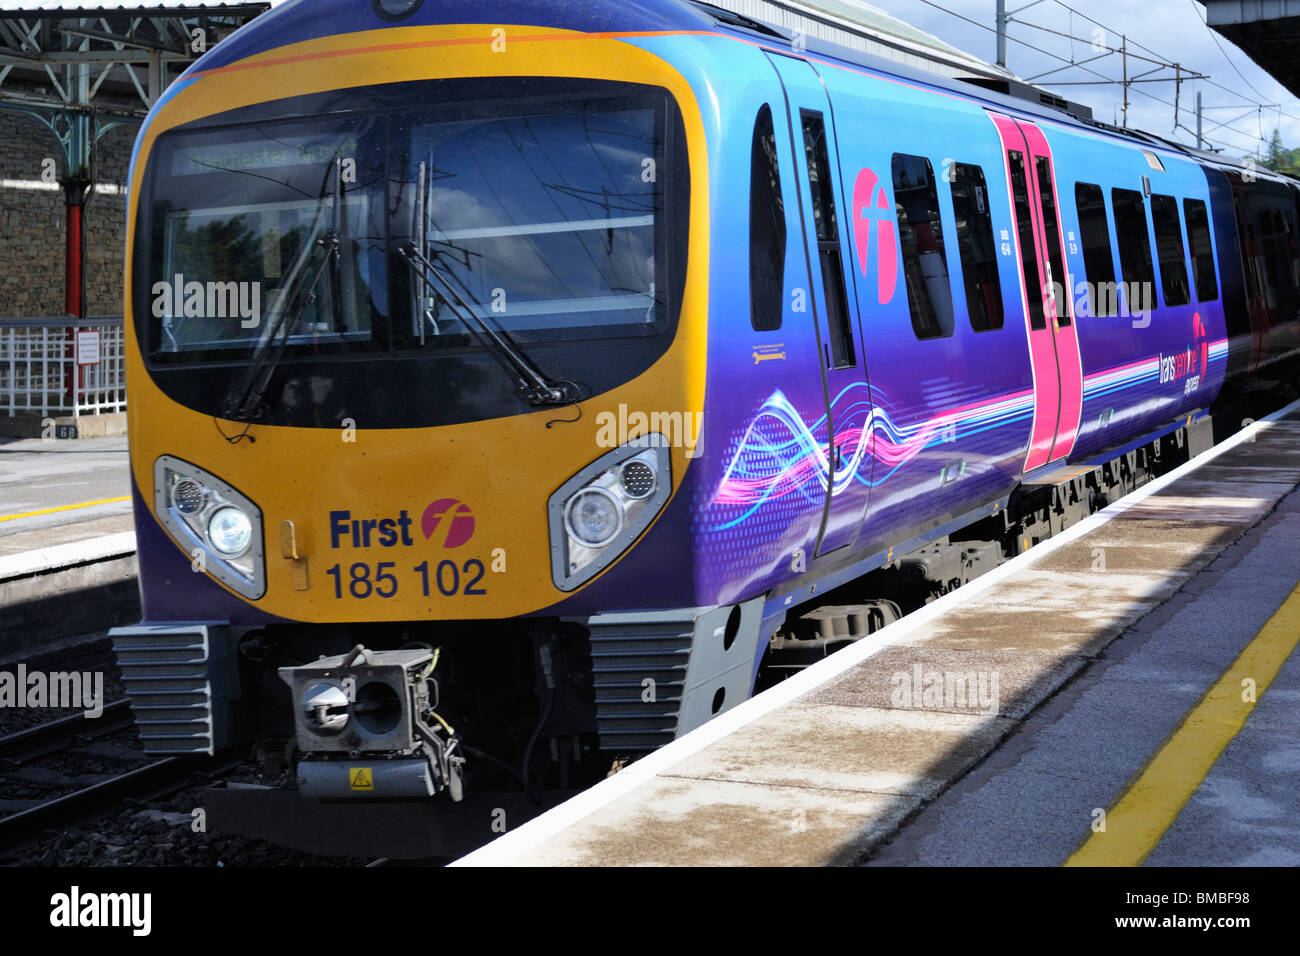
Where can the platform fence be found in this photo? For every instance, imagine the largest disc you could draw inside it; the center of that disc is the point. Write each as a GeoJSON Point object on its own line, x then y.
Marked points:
{"type": "Point", "coordinates": [62, 366]}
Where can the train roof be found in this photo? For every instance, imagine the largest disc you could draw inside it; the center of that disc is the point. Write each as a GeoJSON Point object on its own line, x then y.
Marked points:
{"type": "Point", "coordinates": [309, 19]}
{"type": "Point", "coordinates": [1016, 97]}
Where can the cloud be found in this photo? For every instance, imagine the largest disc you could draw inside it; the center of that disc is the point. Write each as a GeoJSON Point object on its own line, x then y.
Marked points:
{"type": "Point", "coordinates": [1173, 29]}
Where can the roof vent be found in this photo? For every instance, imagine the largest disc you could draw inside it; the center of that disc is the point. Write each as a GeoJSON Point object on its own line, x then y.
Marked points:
{"type": "Point", "coordinates": [1023, 91]}
{"type": "Point", "coordinates": [731, 18]}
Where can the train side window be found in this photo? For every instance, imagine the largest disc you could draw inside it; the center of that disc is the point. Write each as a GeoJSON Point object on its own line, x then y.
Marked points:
{"type": "Point", "coordinates": [1198, 239]}
{"type": "Point", "coordinates": [1287, 247]}
{"type": "Point", "coordinates": [1268, 246]}
{"type": "Point", "coordinates": [1284, 248]}
{"type": "Point", "coordinates": [979, 253]}
{"type": "Point", "coordinates": [1134, 249]}
{"type": "Point", "coordinates": [1252, 257]}
{"type": "Point", "coordinates": [767, 235]}
{"type": "Point", "coordinates": [1052, 225]}
{"type": "Point", "coordinates": [925, 267]}
{"type": "Point", "coordinates": [1169, 246]}
{"type": "Point", "coordinates": [1094, 237]}
{"type": "Point", "coordinates": [822, 188]}
{"type": "Point", "coordinates": [1028, 242]}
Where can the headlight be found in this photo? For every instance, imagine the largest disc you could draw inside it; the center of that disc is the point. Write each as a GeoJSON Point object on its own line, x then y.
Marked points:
{"type": "Point", "coordinates": [204, 515]}
{"type": "Point", "coordinates": [637, 478]}
{"type": "Point", "coordinates": [230, 531]}
{"type": "Point", "coordinates": [594, 517]}
{"type": "Point", "coordinates": [188, 496]}
{"type": "Point", "coordinates": [601, 510]}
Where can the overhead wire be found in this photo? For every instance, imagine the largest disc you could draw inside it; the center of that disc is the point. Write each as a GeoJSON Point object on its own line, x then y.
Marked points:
{"type": "Point", "coordinates": [1199, 77]}
{"type": "Point", "coordinates": [1203, 77]}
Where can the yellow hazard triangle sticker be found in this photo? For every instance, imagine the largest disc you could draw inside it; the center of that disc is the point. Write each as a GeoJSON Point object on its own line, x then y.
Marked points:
{"type": "Point", "coordinates": [360, 778]}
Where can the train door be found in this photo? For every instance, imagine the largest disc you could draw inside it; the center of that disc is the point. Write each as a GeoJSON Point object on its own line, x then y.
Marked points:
{"type": "Point", "coordinates": [840, 451]}
{"type": "Point", "coordinates": [1053, 339]}
{"type": "Point", "coordinates": [1248, 244]}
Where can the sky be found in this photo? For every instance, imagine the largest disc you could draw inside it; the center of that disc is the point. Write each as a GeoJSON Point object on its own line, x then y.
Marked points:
{"type": "Point", "coordinates": [1173, 29]}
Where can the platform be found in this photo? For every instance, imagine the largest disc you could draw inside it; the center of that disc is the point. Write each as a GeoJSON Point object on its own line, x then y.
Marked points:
{"type": "Point", "coordinates": [1110, 666]}
{"type": "Point", "coordinates": [54, 492]}
{"type": "Point", "coordinates": [67, 540]}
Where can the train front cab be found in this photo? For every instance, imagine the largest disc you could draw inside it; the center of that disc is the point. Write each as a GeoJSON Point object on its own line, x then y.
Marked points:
{"type": "Point", "coordinates": [394, 488]}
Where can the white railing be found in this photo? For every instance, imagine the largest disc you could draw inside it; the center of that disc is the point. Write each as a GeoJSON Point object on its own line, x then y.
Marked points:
{"type": "Point", "coordinates": [62, 366]}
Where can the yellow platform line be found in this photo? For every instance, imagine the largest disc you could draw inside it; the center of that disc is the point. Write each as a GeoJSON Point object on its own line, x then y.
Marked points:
{"type": "Point", "coordinates": [50, 511]}
{"type": "Point", "coordinates": [1137, 822]}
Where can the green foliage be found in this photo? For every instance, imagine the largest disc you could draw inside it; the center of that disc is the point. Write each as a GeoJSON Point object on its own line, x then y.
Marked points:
{"type": "Point", "coordinates": [1278, 158]}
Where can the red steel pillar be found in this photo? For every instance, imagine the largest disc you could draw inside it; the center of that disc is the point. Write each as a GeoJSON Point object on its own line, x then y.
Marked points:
{"type": "Point", "coordinates": [74, 279]}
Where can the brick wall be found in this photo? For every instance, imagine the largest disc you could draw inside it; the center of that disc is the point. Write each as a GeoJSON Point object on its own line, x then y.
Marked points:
{"type": "Point", "coordinates": [32, 222]}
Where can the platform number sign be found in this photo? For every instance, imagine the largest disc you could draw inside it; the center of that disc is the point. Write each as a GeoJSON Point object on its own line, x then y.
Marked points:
{"type": "Point", "coordinates": [88, 348]}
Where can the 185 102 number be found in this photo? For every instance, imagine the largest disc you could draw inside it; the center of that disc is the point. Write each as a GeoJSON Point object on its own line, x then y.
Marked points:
{"type": "Point", "coordinates": [361, 580]}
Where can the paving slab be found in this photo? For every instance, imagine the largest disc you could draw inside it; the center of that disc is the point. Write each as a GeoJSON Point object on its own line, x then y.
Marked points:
{"type": "Point", "coordinates": [831, 747]}
{"type": "Point", "coordinates": [675, 821]}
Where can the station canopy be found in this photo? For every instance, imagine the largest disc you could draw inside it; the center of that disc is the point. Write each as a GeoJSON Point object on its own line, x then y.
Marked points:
{"type": "Point", "coordinates": [82, 69]}
{"type": "Point", "coordinates": [61, 55]}
{"type": "Point", "coordinates": [1267, 31]}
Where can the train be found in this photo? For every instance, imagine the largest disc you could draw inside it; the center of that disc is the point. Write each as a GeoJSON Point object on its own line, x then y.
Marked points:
{"type": "Point", "coordinates": [515, 386]}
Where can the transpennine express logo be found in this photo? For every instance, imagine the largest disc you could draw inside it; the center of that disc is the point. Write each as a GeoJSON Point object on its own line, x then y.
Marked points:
{"type": "Point", "coordinates": [1189, 365]}
{"type": "Point", "coordinates": [871, 204]}
{"type": "Point", "coordinates": [457, 517]}
{"type": "Point", "coordinates": [1201, 336]}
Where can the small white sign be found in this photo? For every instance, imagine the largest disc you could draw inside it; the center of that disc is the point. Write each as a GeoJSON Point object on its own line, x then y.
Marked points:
{"type": "Point", "coordinates": [87, 348]}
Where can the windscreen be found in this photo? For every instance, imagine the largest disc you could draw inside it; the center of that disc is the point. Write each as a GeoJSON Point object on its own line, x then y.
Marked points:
{"type": "Point", "coordinates": [254, 221]}
{"type": "Point", "coordinates": [309, 251]}
{"type": "Point", "coordinates": [542, 214]}
{"type": "Point", "coordinates": [546, 219]}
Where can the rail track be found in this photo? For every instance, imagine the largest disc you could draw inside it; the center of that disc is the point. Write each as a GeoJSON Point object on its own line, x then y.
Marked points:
{"type": "Point", "coordinates": [141, 777]}
{"type": "Point", "coordinates": [55, 735]}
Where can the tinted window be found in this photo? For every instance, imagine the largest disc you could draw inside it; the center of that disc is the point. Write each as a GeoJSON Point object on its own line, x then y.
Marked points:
{"type": "Point", "coordinates": [566, 190]}
{"type": "Point", "coordinates": [1279, 248]}
{"type": "Point", "coordinates": [1268, 240]}
{"type": "Point", "coordinates": [1059, 279]}
{"type": "Point", "coordinates": [1134, 249]}
{"type": "Point", "coordinates": [1094, 236]}
{"type": "Point", "coordinates": [929, 296]}
{"type": "Point", "coordinates": [1283, 247]}
{"type": "Point", "coordinates": [979, 254]}
{"type": "Point", "coordinates": [545, 221]}
{"type": "Point", "coordinates": [1288, 243]}
{"type": "Point", "coordinates": [766, 228]}
{"type": "Point", "coordinates": [1028, 242]}
{"type": "Point", "coordinates": [822, 189]}
{"type": "Point", "coordinates": [247, 208]}
{"type": "Point", "coordinates": [1169, 244]}
{"type": "Point", "coordinates": [1252, 259]}
{"type": "Point", "coordinates": [1198, 237]}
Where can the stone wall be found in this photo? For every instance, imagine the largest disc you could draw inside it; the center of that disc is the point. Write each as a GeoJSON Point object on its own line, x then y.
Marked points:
{"type": "Point", "coordinates": [32, 221]}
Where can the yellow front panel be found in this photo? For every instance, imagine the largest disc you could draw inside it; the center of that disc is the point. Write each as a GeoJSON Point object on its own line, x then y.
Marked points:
{"type": "Point", "coordinates": [503, 470]}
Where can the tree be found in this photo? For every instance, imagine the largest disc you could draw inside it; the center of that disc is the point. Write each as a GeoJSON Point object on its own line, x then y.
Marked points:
{"type": "Point", "coordinates": [1278, 158]}
{"type": "Point", "coordinates": [1274, 157]}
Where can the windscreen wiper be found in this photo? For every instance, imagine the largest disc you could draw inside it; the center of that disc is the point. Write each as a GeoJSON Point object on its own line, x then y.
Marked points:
{"type": "Point", "coordinates": [244, 403]}
{"type": "Point", "coordinates": [528, 378]}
